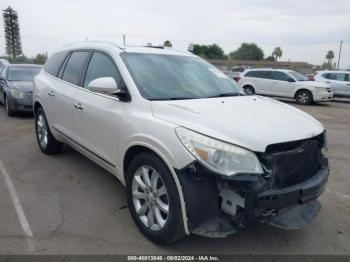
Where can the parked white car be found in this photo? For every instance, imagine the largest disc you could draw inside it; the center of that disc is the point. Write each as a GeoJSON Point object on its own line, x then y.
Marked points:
{"type": "Point", "coordinates": [339, 81]}
{"type": "Point", "coordinates": [284, 83]}
{"type": "Point", "coordinates": [195, 153]}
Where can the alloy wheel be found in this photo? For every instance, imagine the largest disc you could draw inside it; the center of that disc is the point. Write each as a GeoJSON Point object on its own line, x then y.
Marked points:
{"type": "Point", "coordinates": [42, 131]}
{"type": "Point", "coordinates": [303, 98]}
{"type": "Point", "coordinates": [150, 198]}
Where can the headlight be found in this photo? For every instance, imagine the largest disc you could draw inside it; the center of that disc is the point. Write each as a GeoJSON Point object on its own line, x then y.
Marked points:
{"type": "Point", "coordinates": [220, 157]}
{"type": "Point", "coordinates": [320, 89]}
{"type": "Point", "coordinates": [17, 93]}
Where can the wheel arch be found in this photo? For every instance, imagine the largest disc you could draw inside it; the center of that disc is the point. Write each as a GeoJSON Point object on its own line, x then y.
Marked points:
{"type": "Point", "coordinates": [37, 105]}
{"type": "Point", "coordinates": [302, 89]}
{"type": "Point", "coordinates": [137, 148]}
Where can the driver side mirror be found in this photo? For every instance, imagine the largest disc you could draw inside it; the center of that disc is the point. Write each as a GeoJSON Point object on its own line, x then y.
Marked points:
{"type": "Point", "coordinates": [108, 86]}
{"type": "Point", "coordinates": [290, 80]}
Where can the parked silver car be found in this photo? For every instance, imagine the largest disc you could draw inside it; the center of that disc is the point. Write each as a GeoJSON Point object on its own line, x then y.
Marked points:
{"type": "Point", "coordinates": [339, 81]}
{"type": "Point", "coordinates": [16, 87]}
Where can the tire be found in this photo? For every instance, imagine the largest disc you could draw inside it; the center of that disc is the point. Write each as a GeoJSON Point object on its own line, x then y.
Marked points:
{"type": "Point", "coordinates": [249, 90]}
{"type": "Point", "coordinates": [304, 97]}
{"type": "Point", "coordinates": [150, 165]}
{"type": "Point", "coordinates": [48, 145]}
{"type": "Point", "coordinates": [9, 111]}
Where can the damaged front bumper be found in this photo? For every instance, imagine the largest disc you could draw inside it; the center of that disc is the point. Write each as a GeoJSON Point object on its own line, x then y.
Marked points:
{"type": "Point", "coordinates": [219, 206]}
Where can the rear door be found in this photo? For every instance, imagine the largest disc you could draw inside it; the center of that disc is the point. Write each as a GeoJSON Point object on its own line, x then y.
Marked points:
{"type": "Point", "coordinates": [62, 90]}
{"type": "Point", "coordinates": [96, 116]}
{"type": "Point", "coordinates": [259, 79]}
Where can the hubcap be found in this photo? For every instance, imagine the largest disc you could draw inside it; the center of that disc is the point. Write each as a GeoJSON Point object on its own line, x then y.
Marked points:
{"type": "Point", "coordinates": [303, 98]}
{"type": "Point", "coordinates": [150, 198]}
{"type": "Point", "coordinates": [249, 91]}
{"type": "Point", "coordinates": [41, 131]}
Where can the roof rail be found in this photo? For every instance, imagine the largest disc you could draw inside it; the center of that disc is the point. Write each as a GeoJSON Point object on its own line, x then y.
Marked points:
{"type": "Point", "coordinates": [154, 46]}
{"type": "Point", "coordinates": [94, 41]}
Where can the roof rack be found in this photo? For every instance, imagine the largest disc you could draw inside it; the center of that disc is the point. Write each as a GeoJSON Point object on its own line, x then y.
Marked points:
{"type": "Point", "coordinates": [153, 46]}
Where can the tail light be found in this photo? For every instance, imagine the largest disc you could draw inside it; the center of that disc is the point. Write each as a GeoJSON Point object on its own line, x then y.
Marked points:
{"type": "Point", "coordinates": [237, 78]}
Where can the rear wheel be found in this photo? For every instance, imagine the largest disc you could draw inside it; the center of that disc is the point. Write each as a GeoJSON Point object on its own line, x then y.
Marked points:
{"type": "Point", "coordinates": [9, 111]}
{"type": "Point", "coordinates": [249, 90]}
{"type": "Point", "coordinates": [153, 199]}
{"type": "Point", "coordinates": [304, 97]}
{"type": "Point", "coordinates": [46, 141]}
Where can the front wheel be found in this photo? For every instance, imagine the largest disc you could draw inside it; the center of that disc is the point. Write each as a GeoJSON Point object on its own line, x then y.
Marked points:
{"type": "Point", "coordinates": [249, 90]}
{"type": "Point", "coordinates": [8, 109]}
{"type": "Point", "coordinates": [304, 97]}
{"type": "Point", "coordinates": [153, 199]}
{"type": "Point", "coordinates": [46, 141]}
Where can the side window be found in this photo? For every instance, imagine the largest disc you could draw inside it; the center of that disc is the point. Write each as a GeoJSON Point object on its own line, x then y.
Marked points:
{"type": "Point", "coordinates": [250, 74]}
{"type": "Point", "coordinates": [258, 74]}
{"type": "Point", "coordinates": [53, 64]}
{"type": "Point", "coordinates": [348, 77]}
{"type": "Point", "coordinates": [336, 76]}
{"type": "Point", "coordinates": [102, 66]}
{"type": "Point", "coordinates": [75, 67]}
{"type": "Point", "coordinates": [275, 75]}
{"type": "Point", "coordinates": [326, 75]}
{"type": "Point", "coordinates": [340, 77]}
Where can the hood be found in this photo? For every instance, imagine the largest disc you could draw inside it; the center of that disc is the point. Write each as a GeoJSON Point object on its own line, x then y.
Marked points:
{"type": "Point", "coordinates": [252, 122]}
{"type": "Point", "coordinates": [25, 86]}
{"type": "Point", "coordinates": [313, 83]}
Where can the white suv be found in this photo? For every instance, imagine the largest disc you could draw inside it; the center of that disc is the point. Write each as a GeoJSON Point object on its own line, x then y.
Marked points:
{"type": "Point", "coordinates": [284, 83]}
{"type": "Point", "coordinates": [195, 154]}
{"type": "Point", "coordinates": [338, 80]}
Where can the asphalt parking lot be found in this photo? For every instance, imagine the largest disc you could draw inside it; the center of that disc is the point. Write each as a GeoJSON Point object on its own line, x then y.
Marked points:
{"type": "Point", "coordinates": [72, 206]}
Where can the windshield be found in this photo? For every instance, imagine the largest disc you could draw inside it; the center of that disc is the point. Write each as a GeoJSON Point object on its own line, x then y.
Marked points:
{"type": "Point", "coordinates": [166, 77]}
{"type": "Point", "coordinates": [25, 73]}
{"type": "Point", "coordinates": [297, 76]}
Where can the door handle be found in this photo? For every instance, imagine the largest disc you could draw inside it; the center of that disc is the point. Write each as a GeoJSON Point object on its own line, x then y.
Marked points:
{"type": "Point", "coordinates": [328, 82]}
{"type": "Point", "coordinates": [51, 93]}
{"type": "Point", "coordinates": [79, 106]}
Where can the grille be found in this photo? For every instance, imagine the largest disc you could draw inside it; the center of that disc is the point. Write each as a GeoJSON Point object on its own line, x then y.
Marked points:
{"type": "Point", "coordinates": [287, 164]}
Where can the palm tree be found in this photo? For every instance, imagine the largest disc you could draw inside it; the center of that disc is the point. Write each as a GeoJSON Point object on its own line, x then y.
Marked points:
{"type": "Point", "coordinates": [330, 56]}
{"type": "Point", "coordinates": [277, 52]}
{"type": "Point", "coordinates": [167, 43]}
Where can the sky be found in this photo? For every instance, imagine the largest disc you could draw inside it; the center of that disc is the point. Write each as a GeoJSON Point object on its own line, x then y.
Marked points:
{"type": "Point", "coordinates": [305, 30]}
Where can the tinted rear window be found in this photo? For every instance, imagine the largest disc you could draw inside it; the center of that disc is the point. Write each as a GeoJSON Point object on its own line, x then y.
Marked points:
{"type": "Point", "coordinates": [75, 66]}
{"type": "Point", "coordinates": [258, 74]}
{"type": "Point", "coordinates": [52, 66]}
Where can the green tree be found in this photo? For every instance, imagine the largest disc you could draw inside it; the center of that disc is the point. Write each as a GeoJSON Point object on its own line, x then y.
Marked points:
{"type": "Point", "coordinates": [330, 56]}
{"type": "Point", "coordinates": [12, 35]}
{"type": "Point", "coordinates": [247, 51]}
{"type": "Point", "coordinates": [270, 58]}
{"type": "Point", "coordinates": [209, 51]}
{"type": "Point", "coordinates": [277, 52]}
{"type": "Point", "coordinates": [167, 43]}
{"type": "Point", "coordinates": [40, 59]}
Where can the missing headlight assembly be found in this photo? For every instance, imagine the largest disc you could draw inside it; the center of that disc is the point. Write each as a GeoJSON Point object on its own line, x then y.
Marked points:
{"type": "Point", "coordinates": [284, 195]}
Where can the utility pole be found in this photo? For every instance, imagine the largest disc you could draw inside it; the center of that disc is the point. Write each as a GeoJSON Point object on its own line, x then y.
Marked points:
{"type": "Point", "coordinates": [341, 43]}
{"type": "Point", "coordinates": [123, 39]}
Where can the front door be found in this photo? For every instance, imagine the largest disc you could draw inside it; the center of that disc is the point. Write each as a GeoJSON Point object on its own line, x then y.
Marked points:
{"type": "Point", "coordinates": [96, 116]}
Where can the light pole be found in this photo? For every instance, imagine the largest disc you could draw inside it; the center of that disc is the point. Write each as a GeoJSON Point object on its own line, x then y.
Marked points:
{"type": "Point", "coordinates": [341, 43]}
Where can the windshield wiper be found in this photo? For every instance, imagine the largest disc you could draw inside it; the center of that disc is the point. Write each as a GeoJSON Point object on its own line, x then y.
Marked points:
{"type": "Point", "coordinates": [227, 94]}
{"type": "Point", "coordinates": [172, 98]}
